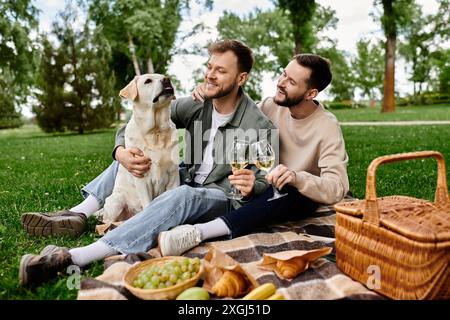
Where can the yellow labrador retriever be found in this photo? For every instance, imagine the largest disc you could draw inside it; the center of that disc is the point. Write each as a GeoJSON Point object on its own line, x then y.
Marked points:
{"type": "Point", "coordinates": [151, 130]}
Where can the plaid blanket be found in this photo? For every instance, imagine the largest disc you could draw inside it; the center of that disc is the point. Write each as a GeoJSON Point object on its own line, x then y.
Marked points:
{"type": "Point", "coordinates": [322, 281]}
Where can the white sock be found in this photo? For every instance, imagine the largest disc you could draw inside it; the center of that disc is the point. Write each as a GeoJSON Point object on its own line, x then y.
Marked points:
{"type": "Point", "coordinates": [213, 229]}
{"type": "Point", "coordinates": [93, 252]}
{"type": "Point", "coordinates": [87, 207]}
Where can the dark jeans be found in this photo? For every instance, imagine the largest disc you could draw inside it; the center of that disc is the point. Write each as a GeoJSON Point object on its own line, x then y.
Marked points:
{"type": "Point", "coordinates": [260, 212]}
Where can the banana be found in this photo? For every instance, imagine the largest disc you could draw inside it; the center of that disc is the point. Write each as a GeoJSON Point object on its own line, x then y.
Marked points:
{"type": "Point", "coordinates": [262, 292]}
{"type": "Point", "coordinates": [276, 296]}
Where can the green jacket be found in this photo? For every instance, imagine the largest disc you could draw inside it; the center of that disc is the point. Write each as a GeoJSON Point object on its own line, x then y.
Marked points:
{"type": "Point", "coordinates": [196, 118]}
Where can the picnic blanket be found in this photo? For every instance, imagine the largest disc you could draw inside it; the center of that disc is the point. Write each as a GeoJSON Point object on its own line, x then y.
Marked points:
{"type": "Point", "coordinates": [322, 281]}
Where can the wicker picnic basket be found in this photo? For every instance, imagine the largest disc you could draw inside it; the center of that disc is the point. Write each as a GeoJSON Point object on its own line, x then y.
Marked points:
{"type": "Point", "coordinates": [405, 239]}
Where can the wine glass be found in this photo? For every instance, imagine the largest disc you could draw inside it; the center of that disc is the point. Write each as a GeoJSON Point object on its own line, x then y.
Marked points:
{"type": "Point", "coordinates": [238, 160]}
{"type": "Point", "coordinates": [264, 159]}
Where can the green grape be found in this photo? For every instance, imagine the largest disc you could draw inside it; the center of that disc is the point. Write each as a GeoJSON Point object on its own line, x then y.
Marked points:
{"type": "Point", "coordinates": [186, 275]}
{"type": "Point", "coordinates": [184, 268]}
{"type": "Point", "coordinates": [191, 268]}
{"type": "Point", "coordinates": [167, 266]}
{"type": "Point", "coordinates": [161, 285]}
{"type": "Point", "coordinates": [179, 280]}
{"type": "Point", "coordinates": [173, 278]}
{"type": "Point", "coordinates": [145, 278]}
{"type": "Point", "coordinates": [193, 274]}
{"type": "Point", "coordinates": [176, 263]}
{"type": "Point", "coordinates": [186, 261]}
{"type": "Point", "coordinates": [196, 260]}
{"type": "Point", "coordinates": [155, 280]}
{"type": "Point", "coordinates": [164, 276]}
{"type": "Point", "coordinates": [149, 285]}
{"type": "Point", "coordinates": [169, 283]}
{"type": "Point", "coordinates": [177, 270]}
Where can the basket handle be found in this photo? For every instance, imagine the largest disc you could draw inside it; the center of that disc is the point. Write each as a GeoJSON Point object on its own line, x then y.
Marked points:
{"type": "Point", "coordinates": [371, 213]}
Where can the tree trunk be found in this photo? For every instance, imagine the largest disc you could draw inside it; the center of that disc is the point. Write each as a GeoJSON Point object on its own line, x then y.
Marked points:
{"type": "Point", "coordinates": [297, 49]}
{"type": "Point", "coordinates": [150, 68]}
{"type": "Point", "coordinates": [77, 86]}
{"type": "Point", "coordinates": [389, 76]}
{"type": "Point", "coordinates": [133, 56]}
{"type": "Point", "coordinates": [419, 94]}
{"type": "Point", "coordinates": [414, 72]}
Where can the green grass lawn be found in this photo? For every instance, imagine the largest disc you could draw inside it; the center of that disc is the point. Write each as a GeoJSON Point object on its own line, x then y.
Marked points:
{"type": "Point", "coordinates": [41, 172]}
{"type": "Point", "coordinates": [434, 112]}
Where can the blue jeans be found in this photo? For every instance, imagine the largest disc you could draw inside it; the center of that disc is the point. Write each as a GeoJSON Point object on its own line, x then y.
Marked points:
{"type": "Point", "coordinates": [184, 204]}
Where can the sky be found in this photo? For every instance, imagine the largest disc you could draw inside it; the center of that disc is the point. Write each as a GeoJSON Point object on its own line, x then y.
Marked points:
{"type": "Point", "coordinates": [354, 23]}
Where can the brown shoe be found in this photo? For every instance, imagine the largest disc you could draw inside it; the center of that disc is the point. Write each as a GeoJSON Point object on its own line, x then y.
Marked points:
{"type": "Point", "coordinates": [59, 223]}
{"type": "Point", "coordinates": [36, 269]}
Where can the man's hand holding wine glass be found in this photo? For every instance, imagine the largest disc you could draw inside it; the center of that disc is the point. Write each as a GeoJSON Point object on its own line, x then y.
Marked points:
{"type": "Point", "coordinates": [244, 180]}
{"type": "Point", "coordinates": [280, 176]}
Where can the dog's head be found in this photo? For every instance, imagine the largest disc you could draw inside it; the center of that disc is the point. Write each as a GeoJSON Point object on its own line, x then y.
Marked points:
{"type": "Point", "coordinates": [149, 89]}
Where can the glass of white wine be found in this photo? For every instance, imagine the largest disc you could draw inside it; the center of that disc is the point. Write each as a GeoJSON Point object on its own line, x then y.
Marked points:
{"type": "Point", "coordinates": [263, 156]}
{"type": "Point", "coordinates": [238, 160]}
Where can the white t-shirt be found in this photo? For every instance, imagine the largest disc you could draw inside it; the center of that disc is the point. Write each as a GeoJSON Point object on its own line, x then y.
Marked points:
{"type": "Point", "coordinates": [207, 164]}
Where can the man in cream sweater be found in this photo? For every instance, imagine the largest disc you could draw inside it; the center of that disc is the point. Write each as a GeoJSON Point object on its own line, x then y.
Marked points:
{"type": "Point", "coordinates": [313, 160]}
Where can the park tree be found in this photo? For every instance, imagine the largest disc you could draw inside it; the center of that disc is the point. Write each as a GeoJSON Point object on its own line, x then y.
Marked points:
{"type": "Point", "coordinates": [17, 58]}
{"type": "Point", "coordinates": [439, 28]}
{"type": "Point", "coordinates": [396, 14]}
{"type": "Point", "coordinates": [368, 68]}
{"type": "Point", "coordinates": [75, 86]}
{"type": "Point", "coordinates": [300, 14]}
{"type": "Point", "coordinates": [141, 33]}
{"type": "Point", "coordinates": [416, 48]}
{"type": "Point", "coordinates": [50, 111]}
{"type": "Point", "coordinates": [272, 36]}
{"type": "Point", "coordinates": [440, 62]}
{"type": "Point", "coordinates": [441, 56]}
{"type": "Point", "coordinates": [343, 83]}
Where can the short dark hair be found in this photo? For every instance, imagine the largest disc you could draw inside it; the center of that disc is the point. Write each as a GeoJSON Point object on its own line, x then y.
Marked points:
{"type": "Point", "coordinates": [242, 52]}
{"type": "Point", "coordinates": [320, 70]}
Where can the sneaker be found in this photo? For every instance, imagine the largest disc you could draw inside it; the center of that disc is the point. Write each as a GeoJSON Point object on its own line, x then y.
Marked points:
{"type": "Point", "coordinates": [36, 269]}
{"type": "Point", "coordinates": [60, 223]}
{"type": "Point", "coordinates": [178, 240]}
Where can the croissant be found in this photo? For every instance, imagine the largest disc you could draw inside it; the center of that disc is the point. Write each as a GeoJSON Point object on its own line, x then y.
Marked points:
{"type": "Point", "coordinates": [231, 284]}
{"type": "Point", "coordinates": [289, 269]}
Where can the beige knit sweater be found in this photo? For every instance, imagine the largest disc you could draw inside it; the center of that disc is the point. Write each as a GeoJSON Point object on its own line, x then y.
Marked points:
{"type": "Point", "coordinates": [314, 149]}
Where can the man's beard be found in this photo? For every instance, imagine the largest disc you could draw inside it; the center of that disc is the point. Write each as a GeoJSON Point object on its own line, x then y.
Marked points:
{"type": "Point", "coordinates": [289, 102]}
{"type": "Point", "coordinates": [224, 92]}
